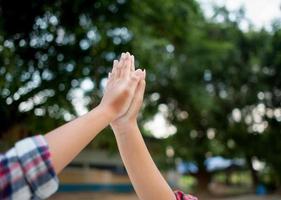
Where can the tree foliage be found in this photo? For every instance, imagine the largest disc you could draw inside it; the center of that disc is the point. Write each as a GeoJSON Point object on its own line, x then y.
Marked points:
{"type": "Point", "coordinates": [220, 84]}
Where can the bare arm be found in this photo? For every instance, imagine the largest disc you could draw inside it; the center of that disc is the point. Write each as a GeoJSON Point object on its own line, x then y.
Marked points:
{"type": "Point", "coordinates": [147, 180]}
{"type": "Point", "coordinates": [68, 140]}
{"type": "Point", "coordinates": [144, 174]}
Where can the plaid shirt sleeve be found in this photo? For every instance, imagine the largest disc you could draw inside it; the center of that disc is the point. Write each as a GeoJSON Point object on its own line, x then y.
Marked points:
{"type": "Point", "coordinates": [181, 196]}
{"type": "Point", "coordinates": [26, 171]}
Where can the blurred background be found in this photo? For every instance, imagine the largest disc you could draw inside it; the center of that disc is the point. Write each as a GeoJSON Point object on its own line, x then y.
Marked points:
{"type": "Point", "coordinates": [212, 114]}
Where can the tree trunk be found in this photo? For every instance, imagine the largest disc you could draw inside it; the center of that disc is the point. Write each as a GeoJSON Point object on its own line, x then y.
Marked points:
{"type": "Point", "coordinates": [254, 173]}
{"type": "Point", "coordinates": [204, 179]}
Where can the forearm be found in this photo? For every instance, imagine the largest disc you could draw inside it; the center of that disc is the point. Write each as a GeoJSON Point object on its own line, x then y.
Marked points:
{"type": "Point", "coordinates": [68, 140]}
{"type": "Point", "coordinates": [147, 180]}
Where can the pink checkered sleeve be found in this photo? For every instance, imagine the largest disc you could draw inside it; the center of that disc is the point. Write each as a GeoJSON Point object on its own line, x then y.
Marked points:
{"type": "Point", "coordinates": [181, 196]}
{"type": "Point", "coordinates": [26, 171]}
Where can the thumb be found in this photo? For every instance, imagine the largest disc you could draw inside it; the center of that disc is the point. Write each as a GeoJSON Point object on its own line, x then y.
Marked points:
{"type": "Point", "coordinates": [138, 99]}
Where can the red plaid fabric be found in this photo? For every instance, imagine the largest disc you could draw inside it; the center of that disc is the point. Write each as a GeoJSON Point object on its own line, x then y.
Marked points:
{"type": "Point", "coordinates": [26, 171]}
{"type": "Point", "coordinates": [181, 196]}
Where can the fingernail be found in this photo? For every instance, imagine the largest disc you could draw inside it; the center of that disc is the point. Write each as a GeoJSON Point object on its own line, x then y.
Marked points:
{"type": "Point", "coordinates": [122, 55]}
{"type": "Point", "coordinates": [128, 55]}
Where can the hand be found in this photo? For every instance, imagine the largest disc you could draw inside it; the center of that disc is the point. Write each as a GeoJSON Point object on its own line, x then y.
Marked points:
{"type": "Point", "coordinates": [135, 154]}
{"type": "Point", "coordinates": [130, 117]}
{"type": "Point", "coordinates": [121, 86]}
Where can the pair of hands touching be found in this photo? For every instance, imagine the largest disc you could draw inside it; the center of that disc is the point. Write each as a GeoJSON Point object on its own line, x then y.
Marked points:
{"type": "Point", "coordinates": [119, 107]}
{"type": "Point", "coordinates": [123, 95]}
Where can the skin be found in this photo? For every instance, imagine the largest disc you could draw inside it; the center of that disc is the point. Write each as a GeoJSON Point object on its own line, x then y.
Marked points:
{"type": "Point", "coordinates": [147, 180]}
{"type": "Point", "coordinates": [68, 140]}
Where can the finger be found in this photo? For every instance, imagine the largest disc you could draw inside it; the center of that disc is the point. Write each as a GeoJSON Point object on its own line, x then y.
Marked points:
{"type": "Point", "coordinates": [133, 63]}
{"type": "Point", "coordinates": [126, 67]}
{"type": "Point", "coordinates": [134, 80]}
{"type": "Point", "coordinates": [120, 65]}
{"type": "Point", "coordinates": [109, 79]}
{"type": "Point", "coordinates": [142, 74]}
{"type": "Point", "coordinates": [141, 90]}
{"type": "Point", "coordinates": [114, 69]}
{"type": "Point", "coordinates": [138, 99]}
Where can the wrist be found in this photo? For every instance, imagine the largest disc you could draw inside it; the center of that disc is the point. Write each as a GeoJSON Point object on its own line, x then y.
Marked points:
{"type": "Point", "coordinates": [125, 127]}
{"type": "Point", "coordinates": [106, 112]}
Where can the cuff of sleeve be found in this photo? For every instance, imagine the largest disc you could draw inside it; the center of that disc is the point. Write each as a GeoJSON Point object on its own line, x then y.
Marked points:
{"type": "Point", "coordinates": [34, 157]}
{"type": "Point", "coordinates": [181, 196]}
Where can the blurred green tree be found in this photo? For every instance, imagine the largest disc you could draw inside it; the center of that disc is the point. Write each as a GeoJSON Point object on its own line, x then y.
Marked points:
{"type": "Point", "coordinates": [270, 96]}
{"type": "Point", "coordinates": [218, 85]}
{"type": "Point", "coordinates": [48, 50]}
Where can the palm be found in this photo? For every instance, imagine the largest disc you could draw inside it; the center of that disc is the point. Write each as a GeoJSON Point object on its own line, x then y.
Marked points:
{"type": "Point", "coordinates": [121, 86]}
